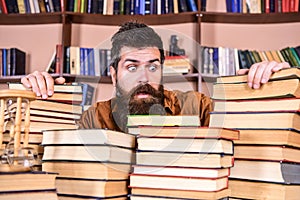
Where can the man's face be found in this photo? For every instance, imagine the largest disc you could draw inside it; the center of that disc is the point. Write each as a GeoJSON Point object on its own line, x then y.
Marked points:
{"type": "Point", "coordinates": [138, 66]}
{"type": "Point", "coordinates": [138, 83]}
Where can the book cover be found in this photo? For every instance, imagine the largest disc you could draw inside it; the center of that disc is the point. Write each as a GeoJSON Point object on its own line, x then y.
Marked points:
{"type": "Point", "coordinates": [181, 171]}
{"type": "Point", "coordinates": [90, 188]}
{"type": "Point", "coordinates": [88, 137]}
{"type": "Point", "coordinates": [163, 120]}
{"type": "Point", "coordinates": [194, 145]}
{"type": "Point", "coordinates": [178, 182]}
{"type": "Point", "coordinates": [88, 170]}
{"type": "Point", "coordinates": [255, 120]}
{"type": "Point", "coordinates": [184, 159]}
{"type": "Point", "coordinates": [17, 61]}
{"type": "Point", "coordinates": [185, 194]}
{"type": "Point", "coordinates": [241, 188]}
{"type": "Point", "coordinates": [92, 153]}
{"type": "Point", "coordinates": [184, 132]}
{"type": "Point", "coordinates": [267, 152]}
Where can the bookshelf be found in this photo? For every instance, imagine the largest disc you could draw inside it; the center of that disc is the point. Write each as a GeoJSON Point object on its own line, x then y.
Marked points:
{"type": "Point", "coordinates": [66, 20]}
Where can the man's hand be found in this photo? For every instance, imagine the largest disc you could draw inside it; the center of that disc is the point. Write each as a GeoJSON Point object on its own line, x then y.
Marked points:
{"type": "Point", "coordinates": [259, 73]}
{"type": "Point", "coordinates": [42, 83]}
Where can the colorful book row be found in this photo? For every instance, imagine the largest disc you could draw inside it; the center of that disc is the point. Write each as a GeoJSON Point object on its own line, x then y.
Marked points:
{"type": "Point", "coordinates": [262, 6]}
{"type": "Point", "coordinates": [131, 7]}
{"type": "Point", "coordinates": [226, 61]}
{"type": "Point", "coordinates": [30, 6]}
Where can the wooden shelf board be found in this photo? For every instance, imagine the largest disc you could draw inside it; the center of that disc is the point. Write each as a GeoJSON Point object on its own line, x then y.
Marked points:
{"type": "Point", "coordinates": [29, 19]}
{"type": "Point", "coordinates": [114, 20]}
{"type": "Point", "coordinates": [245, 18]}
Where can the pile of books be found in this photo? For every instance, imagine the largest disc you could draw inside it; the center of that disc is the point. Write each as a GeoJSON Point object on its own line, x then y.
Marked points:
{"type": "Point", "coordinates": [59, 111]}
{"type": "Point", "coordinates": [175, 65]}
{"type": "Point", "coordinates": [91, 163]}
{"type": "Point", "coordinates": [267, 154]}
{"type": "Point", "coordinates": [178, 159]}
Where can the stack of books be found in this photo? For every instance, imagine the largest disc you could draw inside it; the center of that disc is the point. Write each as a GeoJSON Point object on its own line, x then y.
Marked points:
{"type": "Point", "coordinates": [175, 65]}
{"type": "Point", "coordinates": [178, 159]}
{"type": "Point", "coordinates": [59, 111]}
{"type": "Point", "coordinates": [91, 163]}
{"type": "Point", "coordinates": [27, 185]}
{"type": "Point", "coordinates": [267, 164]}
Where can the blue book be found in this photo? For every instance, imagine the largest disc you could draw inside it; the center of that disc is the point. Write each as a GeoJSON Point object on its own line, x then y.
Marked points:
{"type": "Point", "coordinates": [142, 7]}
{"type": "Point", "coordinates": [82, 68]}
{"type": "Point", "coordinates": [91, 62]}
{"type": "Point", "coordinates": [229, 5]}
{"type": "Point", "coordinates": [4, 62]}
{"type": "Point", "coordinates": [27, 6]}
{"type": "Point", "coordinates": [216, 60]}
{"type": "Point", "coordinates": [192, 6]}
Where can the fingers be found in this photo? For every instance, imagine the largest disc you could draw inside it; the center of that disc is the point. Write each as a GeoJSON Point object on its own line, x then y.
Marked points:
{"type": "Point", "coordinates": [260, 73]}
{"type": "Point", "coordinates": [42, 83]}
{"type": "Point", "coordinates": [242, 71]}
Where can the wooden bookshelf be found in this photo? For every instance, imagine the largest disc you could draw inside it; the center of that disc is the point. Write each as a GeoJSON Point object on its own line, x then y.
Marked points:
{"type": "Point", "coordinates": [247, 18]}
{"type": "Point", "coordinates": [66, 19]}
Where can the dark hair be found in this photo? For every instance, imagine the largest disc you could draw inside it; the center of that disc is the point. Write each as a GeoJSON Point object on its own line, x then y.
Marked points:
{"type": "Point", "coordinates": [137, 35]}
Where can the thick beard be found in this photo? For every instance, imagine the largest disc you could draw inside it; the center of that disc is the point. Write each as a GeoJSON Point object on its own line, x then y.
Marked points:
{"type": "Point", "coordinates": [127, 104]}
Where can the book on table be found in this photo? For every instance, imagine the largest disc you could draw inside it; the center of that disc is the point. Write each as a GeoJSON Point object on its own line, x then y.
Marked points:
{"type": "Point", "coordinates": [184, 132]}
{"type": "Point", "coordinates": [272, 89]}
{"type": "Point", "coordinates": [267, 152]}
{"type": "Point", "coordinates": [180, 159]}
{"type": "Point", "coordinates": [91, 188]}
{"type": "Point", "coordinates": [287, 137]}
{"type": "Point", "coordinates": [256, 120]}
{"type": "Point", "coordinates": [88, 137]}
{"type": "Point", "coordinates": [91, 153]}
{"type": "Point", "coordinates": [177, 194]}
{"type": "Point", "coordinates": [181, 171]}
{"type": "Point", "coordinates": [247, 189]}
{"type": "Point", "coordinates": [287, 85]}
{"type": "Point", "coordinates": [163, 120]}
{"type": "Point", "coordinates": [29, 184]}
{"type": "Point", "coordinates": [259, 105]}
{"type": "Point", "coordinates": [193, 145]}
{"type": "Point", "coordinates": [266, 170]}
{"type": "Point", "coordinates": [178, 182]}
{"type": "Point", "coordinates": [88, 170]}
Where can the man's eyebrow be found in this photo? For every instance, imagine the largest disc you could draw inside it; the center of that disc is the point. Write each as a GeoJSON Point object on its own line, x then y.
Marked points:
{"type": "Point", "coordinates": [136, 61]}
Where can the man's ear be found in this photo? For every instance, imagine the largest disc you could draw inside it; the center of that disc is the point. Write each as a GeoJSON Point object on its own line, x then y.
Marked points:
{"type": "Point", "coordinates": [113, 74]}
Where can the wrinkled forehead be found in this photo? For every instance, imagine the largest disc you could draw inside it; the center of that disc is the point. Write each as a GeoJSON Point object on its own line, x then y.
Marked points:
{"type": "Point", "coordinates": [142, 54]}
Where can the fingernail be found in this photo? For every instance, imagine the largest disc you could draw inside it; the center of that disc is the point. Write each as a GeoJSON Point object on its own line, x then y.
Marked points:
{"type": "Point", "coordinates": [250, 85]}
{"type": "Point", "coordinates": [264, 80]}
{"type": "Point", "coordinates": [50, 93]}
{"type": "Point", "coordinates": [38, 94]}
{"type": "Point", "coordinates": [44, 96]}
{"type": "Point", "coordinates": [255, 86]}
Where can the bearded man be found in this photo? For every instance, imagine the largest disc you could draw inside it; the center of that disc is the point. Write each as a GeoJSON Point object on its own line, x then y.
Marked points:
{"type": "Point", "coordinates": [136, 72]}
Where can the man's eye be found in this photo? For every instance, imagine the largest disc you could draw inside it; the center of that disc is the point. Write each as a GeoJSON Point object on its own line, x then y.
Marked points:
{"type": "Point", "coordinates": [153, 68]}
{"type": "Point", "coordinates": [132, 68]}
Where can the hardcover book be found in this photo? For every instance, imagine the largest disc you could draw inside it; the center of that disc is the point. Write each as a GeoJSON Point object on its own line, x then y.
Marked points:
{"type": "Point", "coordinates": [177, 194]}
{"type": "Point", "coordinates": [178, 182]}
{"type": "Point", "coordinates": [268, 171]}
{"type": "Point", "coordinates": [184, 132]}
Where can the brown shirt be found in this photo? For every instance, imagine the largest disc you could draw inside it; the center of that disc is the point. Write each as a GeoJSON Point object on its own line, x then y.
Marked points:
{"type": "Point", "coordinates": [176, 103]}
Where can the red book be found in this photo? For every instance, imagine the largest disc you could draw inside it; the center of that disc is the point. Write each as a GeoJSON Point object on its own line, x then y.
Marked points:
{"type": "Point", "coordinates": [58, 62]}
{"type": "Point", "coordinates": [267, 6]}
{"type": "Point", "coordinates": [3, 6]}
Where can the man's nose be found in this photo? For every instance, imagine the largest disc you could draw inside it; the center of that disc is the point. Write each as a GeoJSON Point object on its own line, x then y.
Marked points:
{"type": "Point", "coordinates": [143, 75]}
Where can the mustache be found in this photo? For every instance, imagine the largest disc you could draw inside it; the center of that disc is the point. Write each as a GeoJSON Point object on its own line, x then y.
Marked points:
{"type": "Point", "coordinates": [144, 89]}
